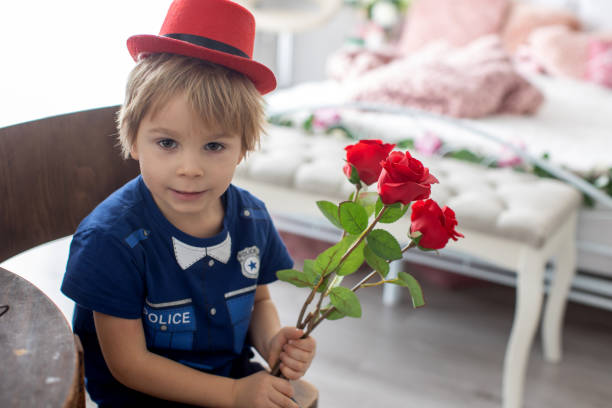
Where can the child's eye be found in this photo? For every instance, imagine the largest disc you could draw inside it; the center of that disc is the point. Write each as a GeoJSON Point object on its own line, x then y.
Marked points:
{"type": "Point", "coordinates": [167, 144]}
{"type": "Point", "coordinates": [214, 146]}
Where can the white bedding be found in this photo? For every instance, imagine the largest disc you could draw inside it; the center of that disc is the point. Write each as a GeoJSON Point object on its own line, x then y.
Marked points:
{"type": "Point", "coordinates": [574, 125]}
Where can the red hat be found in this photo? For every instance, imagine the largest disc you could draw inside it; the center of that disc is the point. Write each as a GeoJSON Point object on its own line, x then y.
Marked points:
{"type": "Point", "coordinates": [219, 31]}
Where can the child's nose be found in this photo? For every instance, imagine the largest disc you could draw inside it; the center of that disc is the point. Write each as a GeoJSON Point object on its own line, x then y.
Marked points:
{"type": "Point", "coordinates": [190, 166]}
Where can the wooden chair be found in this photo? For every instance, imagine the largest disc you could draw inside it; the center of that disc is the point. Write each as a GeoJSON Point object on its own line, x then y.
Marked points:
{"type": "Point", "coordinates": [53, 172]}
{"type": "Point", "coordinates": [305, 394]}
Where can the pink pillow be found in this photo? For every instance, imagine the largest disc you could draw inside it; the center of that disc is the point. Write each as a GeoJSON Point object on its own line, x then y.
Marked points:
{"type": "Point", "coordinates": [599, 63]}
{"type": "Point", "coordinates": [471, 81]}
{"type": "Point", "coordinates": [525, 18]}
{"type": "Point", "coordinates": [457, 22]}
{"type": "Point", "coordinates": [562, 52]}
{"type": "Point", "coordinates": [351, 61]}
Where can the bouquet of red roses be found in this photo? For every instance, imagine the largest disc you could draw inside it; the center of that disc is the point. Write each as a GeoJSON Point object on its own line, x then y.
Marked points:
{"type": "Point", "coordinates": [403, 182]}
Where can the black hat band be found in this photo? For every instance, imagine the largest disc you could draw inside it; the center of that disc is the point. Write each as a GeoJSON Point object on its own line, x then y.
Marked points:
{"type": "Point", "coordinates": [208, 43]}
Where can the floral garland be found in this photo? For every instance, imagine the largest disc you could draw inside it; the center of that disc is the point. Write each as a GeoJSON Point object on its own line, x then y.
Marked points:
{"type": "Point", "coordinates": [329, 121]}
{"type": "Point", "coordinates": [382, 20]}
{"type": "Point", "coordinates": [385, 13]}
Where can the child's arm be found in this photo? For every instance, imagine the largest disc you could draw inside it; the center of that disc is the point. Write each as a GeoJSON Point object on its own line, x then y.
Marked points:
{"type": "Point", "coordinates": [273, 343]}
{"type": "Point", "coordinates": [124, 348]}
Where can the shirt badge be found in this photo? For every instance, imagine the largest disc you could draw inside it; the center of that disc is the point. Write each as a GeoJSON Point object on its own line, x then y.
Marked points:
{"type": "Point", "coordinates": [249, 260]}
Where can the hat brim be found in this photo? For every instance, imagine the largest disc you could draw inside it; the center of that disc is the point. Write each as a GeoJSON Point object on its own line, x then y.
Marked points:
{"type": "Point", "coordinates": [261, 76]}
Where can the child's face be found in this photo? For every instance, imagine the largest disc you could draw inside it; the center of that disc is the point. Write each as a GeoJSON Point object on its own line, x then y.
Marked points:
{"type": "Point", "coordinates": [186, 165]}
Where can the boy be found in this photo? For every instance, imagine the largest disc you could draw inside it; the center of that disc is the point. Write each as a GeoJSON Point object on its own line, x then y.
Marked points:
{"type": "Point", "coordinates": [169, 273]}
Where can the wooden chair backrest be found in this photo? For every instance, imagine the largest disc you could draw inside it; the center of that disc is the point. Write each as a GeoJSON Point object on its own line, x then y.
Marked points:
{"type": "Point", "coordinates": [53, 172]}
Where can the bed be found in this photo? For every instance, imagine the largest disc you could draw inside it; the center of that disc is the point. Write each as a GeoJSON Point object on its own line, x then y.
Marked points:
{"type": "Point", "coordinates": [574, 133]}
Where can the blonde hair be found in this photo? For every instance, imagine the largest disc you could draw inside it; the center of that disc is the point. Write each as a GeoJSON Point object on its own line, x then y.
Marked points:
{"type": "Point", "coordinates": [223, 98]}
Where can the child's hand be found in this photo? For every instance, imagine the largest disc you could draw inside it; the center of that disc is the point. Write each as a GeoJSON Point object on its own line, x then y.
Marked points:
{"type": "Point", "coordinates": [261, 390]}
{"type": "Point", "coordinates": [295, 354]}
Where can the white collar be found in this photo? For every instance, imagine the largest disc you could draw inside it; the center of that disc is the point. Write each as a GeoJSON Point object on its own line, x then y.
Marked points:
{"type": "Point", "coordinates": [186, 255]}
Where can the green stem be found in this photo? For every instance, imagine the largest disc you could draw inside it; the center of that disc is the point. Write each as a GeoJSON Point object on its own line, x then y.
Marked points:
{"type": "Point", "coordinates": [357, 189]}
{"type": "Point", "coordinates": [371, 285]}
{"type": "Point", "coordinates": [362, 283]}
{"type": "Point", "coordinates": [407, 247]}
{"type": "Point", "coordinates": [331, 309]}
{"type": "Point", "coordinates": [350, 250]}
{"type": "Point", "coordinates": [313, 324]}
{"type": "Point", "coordinates": [300, 324]}
{"type": "Point", "coordinates": [363, 234]}
{"type": "Point", "coordinates": [276, 370]}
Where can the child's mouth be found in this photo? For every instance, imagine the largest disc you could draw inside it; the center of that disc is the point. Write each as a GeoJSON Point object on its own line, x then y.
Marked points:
{"type": "Point", "coordinates": [187, 195]}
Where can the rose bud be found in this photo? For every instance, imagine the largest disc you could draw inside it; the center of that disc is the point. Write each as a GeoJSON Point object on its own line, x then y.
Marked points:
{"type": "Point", "coordinates": [436, 225]}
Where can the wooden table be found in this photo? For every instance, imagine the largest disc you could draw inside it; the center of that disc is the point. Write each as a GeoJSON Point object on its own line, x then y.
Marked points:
{"type": "Point", "coordinates": [40, 363]}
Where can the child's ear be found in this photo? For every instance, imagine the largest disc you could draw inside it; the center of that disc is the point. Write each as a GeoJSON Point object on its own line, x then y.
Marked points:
{"type": "Point", "coordinates": [134, 151]}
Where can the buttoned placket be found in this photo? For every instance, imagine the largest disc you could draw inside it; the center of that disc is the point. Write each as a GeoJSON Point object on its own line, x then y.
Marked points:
{"type": "Point", "coordinates": [212, 310]}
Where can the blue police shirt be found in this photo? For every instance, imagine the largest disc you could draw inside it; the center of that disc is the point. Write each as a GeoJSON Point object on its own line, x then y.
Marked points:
{"type": "Point", "coordinates": [194, 296]}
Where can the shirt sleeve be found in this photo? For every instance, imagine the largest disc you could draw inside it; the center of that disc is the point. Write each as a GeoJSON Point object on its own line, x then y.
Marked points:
{"type": "Point", "coordinates": [275, 257]}
{"type": "Point", "coordinates": [102, 275]}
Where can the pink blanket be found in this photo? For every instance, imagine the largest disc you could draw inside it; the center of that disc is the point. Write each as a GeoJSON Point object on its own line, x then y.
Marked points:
{"type": "Point", "coordinates": [473, 81]}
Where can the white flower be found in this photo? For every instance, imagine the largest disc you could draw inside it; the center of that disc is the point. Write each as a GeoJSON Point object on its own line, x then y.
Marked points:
{"type": "Point", "coordinates": [385, 14]}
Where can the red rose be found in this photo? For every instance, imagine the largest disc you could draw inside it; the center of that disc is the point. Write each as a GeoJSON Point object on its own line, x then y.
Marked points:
{"type": "Point", "coordinates": [404, 179]}
{"type": "Point", "coordinates": [436, 225]}
{"type": "Point", "coordinates": [366, 156]}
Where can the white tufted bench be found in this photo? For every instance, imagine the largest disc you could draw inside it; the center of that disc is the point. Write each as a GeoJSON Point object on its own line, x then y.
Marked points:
{"type": "Point", "coordinates": [512, 220]}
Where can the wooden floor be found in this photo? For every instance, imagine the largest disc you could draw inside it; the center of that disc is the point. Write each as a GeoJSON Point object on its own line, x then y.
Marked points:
{"type": "Point", "coordinates": [450, 352]}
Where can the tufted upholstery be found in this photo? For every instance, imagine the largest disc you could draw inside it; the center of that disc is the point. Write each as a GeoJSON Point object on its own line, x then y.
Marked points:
{"type": "Point", "coordinates": [499, 202]}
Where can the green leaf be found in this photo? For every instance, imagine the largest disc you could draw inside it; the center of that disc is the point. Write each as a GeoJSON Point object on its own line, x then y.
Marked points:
{"type": "Point", "coordinates": [294, 277]}
{"type": "Point", "coordinates": [345, 301]}
{"type": "Point", "coordinates": [279, 120]}
{"type": "Point", "coordinates": [335, 315]}
{"type": "Point", "coordinates": [347, 132]}
{"type": "Point", "coordinates": [405, 144]}
{"type": "Point", "coordinates": [354, 177]}
{"type": "Point", "coordinates": [379, 205]}
{"type": "Point", "coordinates": [324, 285]}
{"type": "Point", "coordinates": [330, 211]}
{"type": "Point", "coordinates": [313, 276]}
{"type": "Point", "coordinates": [329, 259]}
{"type": "Point", "coordinates": [393, 213]}
{"type": "Point", "coordinates": [353, 217]}
{"type": "Point", "coordinates": [353, 261]}
{"type": "Point", "coordinates": [307, 125]}
{"type": "Point", "coordinates": [376, 262]}
{"type": "Point", "coordinates": [465, 155]}
{"type": "Point", "coordinates": [309, 266]}
{"type": "Point", "coordinates": [383, 244]}
{"type": "Point", "coordinates": [416, 293]}
{"type": "Point", "coordinates": [310, 272]}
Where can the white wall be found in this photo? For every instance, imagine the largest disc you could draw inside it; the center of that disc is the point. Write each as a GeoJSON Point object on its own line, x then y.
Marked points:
{"type": "Point", "coordinates": [67, 55]}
